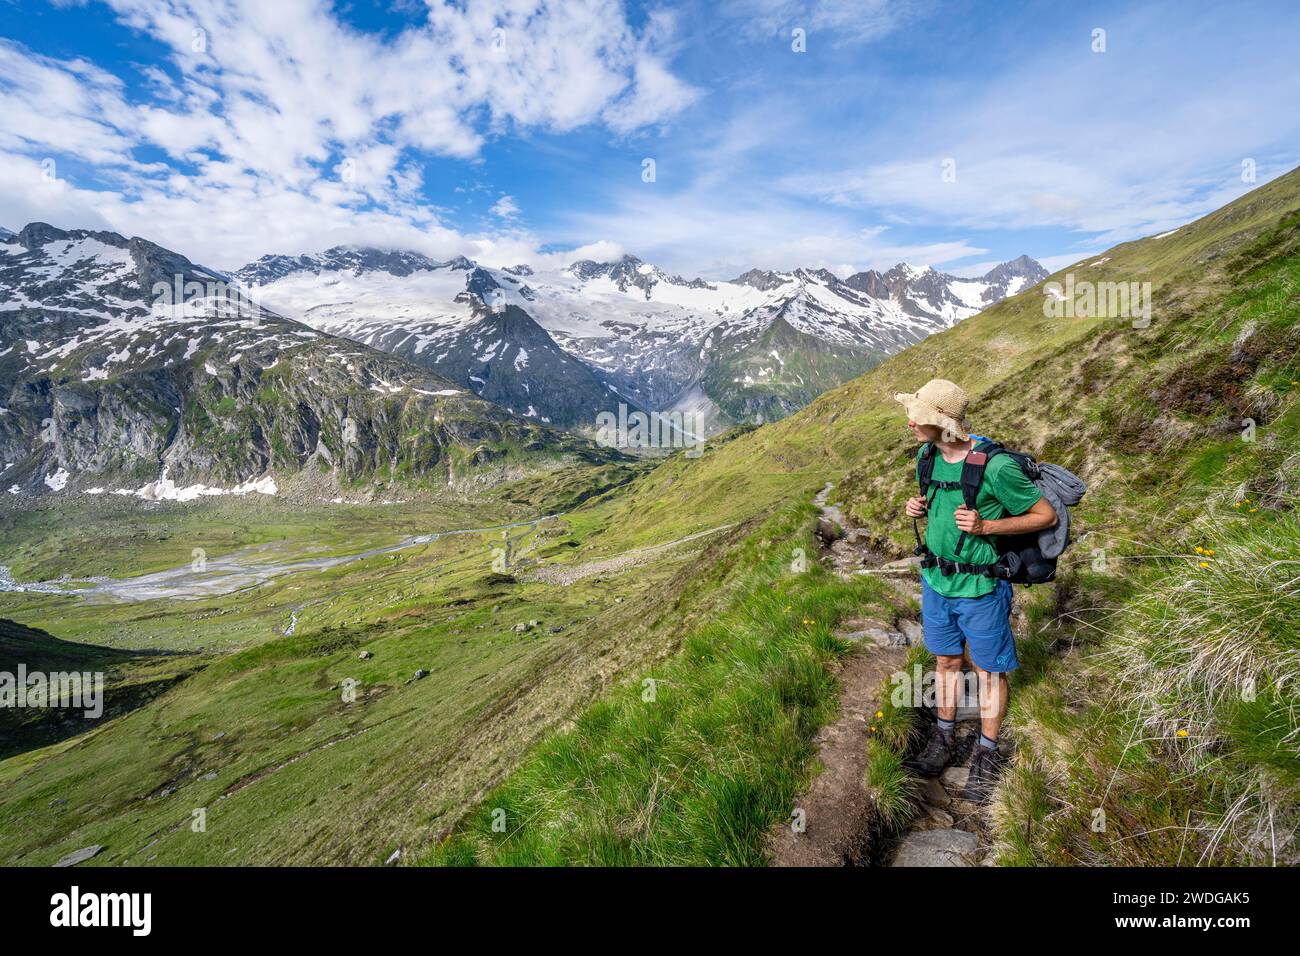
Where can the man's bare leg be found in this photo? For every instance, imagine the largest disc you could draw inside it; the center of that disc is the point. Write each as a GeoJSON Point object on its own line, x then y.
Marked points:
{"type": "Point", "coordinates": [948, 684]}
{"type": "Point", "coordinates": [993, 702]}
{"type": "Point", "coordinates": [984, 768]}
{"type": "Point", "coordinates": [938, 751]}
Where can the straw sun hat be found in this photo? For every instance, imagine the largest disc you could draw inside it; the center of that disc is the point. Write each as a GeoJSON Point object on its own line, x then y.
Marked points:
{"type": "Point", "coordinates": [937, 402]}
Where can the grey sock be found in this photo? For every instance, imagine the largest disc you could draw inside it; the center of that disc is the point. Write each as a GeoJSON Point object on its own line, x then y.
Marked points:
{"type": "Point", "coordinates": [947, 726]}
{"type": "Point", "coordinates": [988, 744]}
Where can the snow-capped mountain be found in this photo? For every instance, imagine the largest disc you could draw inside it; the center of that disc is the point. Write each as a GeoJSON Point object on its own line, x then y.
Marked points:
{"type": "Point", "coordinates": [453, 317]}
{"type": "Point", "coordinates": [652, 338]}
{"type": "Point", "coordinates": [339, 259]}
{"type": "Point", "coordinates": [126, 367]}
{"type": "Point", "coordinates": [1011, 278]}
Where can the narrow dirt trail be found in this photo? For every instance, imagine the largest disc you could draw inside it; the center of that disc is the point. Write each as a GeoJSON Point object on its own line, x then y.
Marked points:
{"type": "Point", "coordinates": [838, 823]}
{"type": "Point", "coordinates": [837, 812]}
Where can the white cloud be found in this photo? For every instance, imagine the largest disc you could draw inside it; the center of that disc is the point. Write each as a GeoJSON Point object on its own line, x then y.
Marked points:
{"type": "Point", "coordinates": [755, 231]}
{"type": "Point", "coordinates": [837, 22]}
{"type": "Point", "coordinates": [1104, 144]}
{"type": "Point", "coordinates": [70, 107]}
{"type": "Point", "coordinates": [505, 208]}
{"type": "Point", "coordinates": [291, 131]}
{"type": "Point", "coordinates": [310, 129]}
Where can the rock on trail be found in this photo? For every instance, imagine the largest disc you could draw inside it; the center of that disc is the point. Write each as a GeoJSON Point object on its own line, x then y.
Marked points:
{"type": "Point", "coordinates": [948, 847]}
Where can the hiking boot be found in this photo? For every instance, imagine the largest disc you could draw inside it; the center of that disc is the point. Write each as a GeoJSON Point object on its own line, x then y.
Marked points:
{"type": "Point", "coordinates": [985, 768]}
{"type": "Point", "coordinates": [937, 753]}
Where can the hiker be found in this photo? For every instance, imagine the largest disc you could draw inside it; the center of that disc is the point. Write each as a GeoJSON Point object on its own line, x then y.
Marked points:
{"type": "Point", "coordinates": [966, 614]}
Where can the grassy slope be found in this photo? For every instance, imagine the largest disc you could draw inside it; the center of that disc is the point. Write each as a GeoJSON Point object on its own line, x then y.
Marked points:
{"type": "Point", "coordinates": [246, 733]}
{"type": "Point", "coordinates": [130, 679]}
{"type": "Point", "coordinates": [423, 747]}
{"type": "Point", "coordinates": [1120, 402]}
{"type": "Point", "coordinates": [1173, 721]}
{"type": "Point", "coordinates": [696, 760]}
{"type": "Point", "coordinates": [751, 381]}
{"type": "Point", "coordinates": [1183, 771]}
{"type": "Point", "coordinates": [1149, 416]}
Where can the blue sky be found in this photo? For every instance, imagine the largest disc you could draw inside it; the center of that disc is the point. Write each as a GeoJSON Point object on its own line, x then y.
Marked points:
{"type": "Point", "coordinates": [515, 130]}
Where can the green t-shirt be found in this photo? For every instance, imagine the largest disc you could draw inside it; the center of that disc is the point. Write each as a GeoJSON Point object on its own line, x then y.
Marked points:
{"type": "Point", "coordinates": [1004, 491]}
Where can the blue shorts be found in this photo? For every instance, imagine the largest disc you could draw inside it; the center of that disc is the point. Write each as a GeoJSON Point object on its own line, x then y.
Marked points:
{"type": "Point", "coordinates": [983, 623]}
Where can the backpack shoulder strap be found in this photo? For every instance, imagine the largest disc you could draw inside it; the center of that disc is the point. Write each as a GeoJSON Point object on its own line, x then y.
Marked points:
{"type": "Point", "coordinates": [972, 475]}
{"type": "Point", "coordinates": [925, 467]}
{"type": "Point", "coordinates": [924, 473]}
{"type": "Point", "coordinates": [972, 469]}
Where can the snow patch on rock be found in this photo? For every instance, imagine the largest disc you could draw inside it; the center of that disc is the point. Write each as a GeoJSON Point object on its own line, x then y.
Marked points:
{"type": "Point", "coordinates": [164, 489]}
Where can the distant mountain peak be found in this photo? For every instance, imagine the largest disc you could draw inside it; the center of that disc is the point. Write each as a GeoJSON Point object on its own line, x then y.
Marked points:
{"type": "Point", "coordinates": [113, 385]}
{"type": "Point", "coordinates": [479, 284]}
{"type": "Point", "coordinates": [1020, 266]}
{"type": "Point", "coordinates": [36, 234]}
{"type": "Point", "coordinates": [631, 271]}
{"type": "Point", "coordinates": [1012, 277]}
{"type": "Point", "coordinates": [824, 276]}
{"type": "Point", "coordinates": [764, 280]}
{"type": "Point", "coordinates": [41, 232]}
{"type": "Point", "coordinates": [355, 260]}
{"type": "Point", "coordinates": [645, 336]}
{"type": "Point", "coordinates": [908, 271]}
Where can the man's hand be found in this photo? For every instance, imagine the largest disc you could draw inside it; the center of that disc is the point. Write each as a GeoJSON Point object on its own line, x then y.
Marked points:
{"type": "Point", "coordinates": [1040, 516]}
{"type": "Point", "coordinates": [916, 507]}
{"type": "Point", "coordinates": [969, 520]}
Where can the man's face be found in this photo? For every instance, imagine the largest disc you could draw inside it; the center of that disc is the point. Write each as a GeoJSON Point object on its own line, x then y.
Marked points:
{"type": "Point", "coordinates": [924, 433]}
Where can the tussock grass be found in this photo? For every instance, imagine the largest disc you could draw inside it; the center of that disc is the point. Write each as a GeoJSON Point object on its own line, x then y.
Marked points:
{"type": "Point", "coordinates": [692, 763]}
{"type": "Point", "coordinates": [891, 786]}
{"type": "Point", "coordinates": [1208, 659]}
{"type": "Point", "coordinates": [1172, 735]}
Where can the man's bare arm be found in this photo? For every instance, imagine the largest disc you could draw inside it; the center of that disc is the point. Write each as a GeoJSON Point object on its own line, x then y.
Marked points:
{"type": "Point", "coordinates": [1041, 515]}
